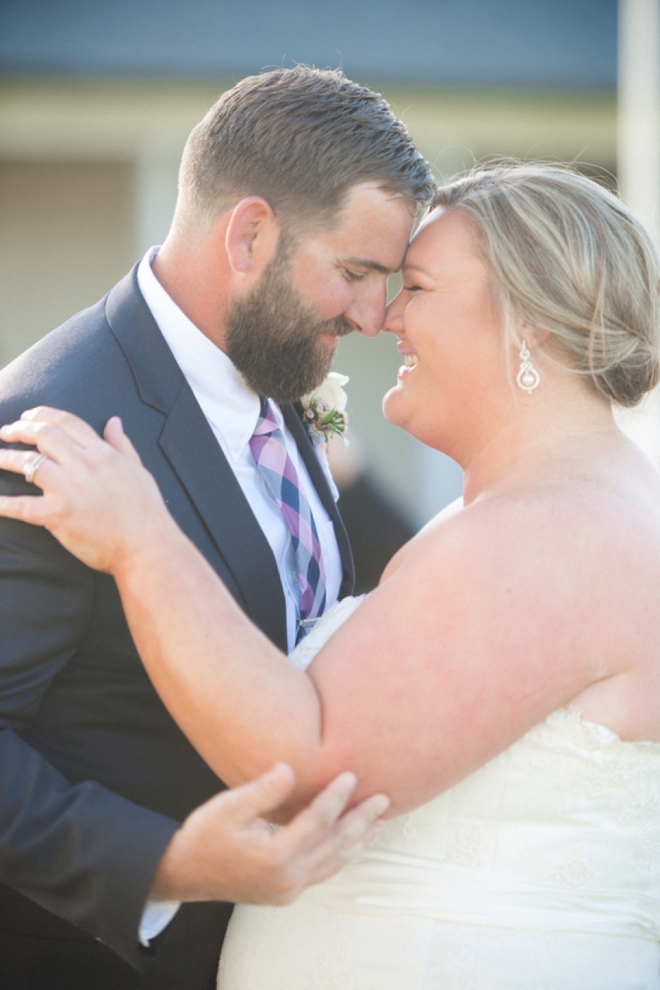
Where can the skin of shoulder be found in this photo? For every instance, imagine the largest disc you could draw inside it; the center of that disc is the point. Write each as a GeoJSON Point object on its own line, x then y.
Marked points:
{"type": "Point", "coordinates": [484, 624]}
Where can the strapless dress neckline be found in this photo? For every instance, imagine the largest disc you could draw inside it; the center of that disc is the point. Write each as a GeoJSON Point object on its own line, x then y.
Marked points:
{"type": "Point", "coordinates": [540, 871]}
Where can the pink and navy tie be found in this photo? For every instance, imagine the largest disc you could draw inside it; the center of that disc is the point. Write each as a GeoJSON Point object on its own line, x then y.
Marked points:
{"type": "Point", "coordinates": [283, 486]}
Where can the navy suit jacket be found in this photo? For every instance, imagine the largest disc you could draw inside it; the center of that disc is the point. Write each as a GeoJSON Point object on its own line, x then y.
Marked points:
{"type": "Point", "coordinates": [95, 774]}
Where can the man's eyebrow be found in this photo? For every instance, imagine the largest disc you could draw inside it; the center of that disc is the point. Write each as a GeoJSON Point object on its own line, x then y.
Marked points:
{"type": "Point", "coordinates": [370, 265]}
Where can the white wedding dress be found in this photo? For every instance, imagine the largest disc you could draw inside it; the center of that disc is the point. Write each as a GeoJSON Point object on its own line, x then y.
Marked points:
{"type": "Point", "coordinates": [541, 871]}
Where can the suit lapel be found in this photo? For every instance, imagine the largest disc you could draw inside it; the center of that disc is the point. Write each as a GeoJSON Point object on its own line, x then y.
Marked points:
{"type": "Point", "coordinates": [308, 454]}
{"type": "Point", "coordinates": [189, 445]}
{"type": "Point", "coordinates": [196, 458]}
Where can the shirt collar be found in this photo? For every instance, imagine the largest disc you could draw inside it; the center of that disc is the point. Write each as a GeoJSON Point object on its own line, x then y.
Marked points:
{"type": "Point", "coordinates": [231, 407]}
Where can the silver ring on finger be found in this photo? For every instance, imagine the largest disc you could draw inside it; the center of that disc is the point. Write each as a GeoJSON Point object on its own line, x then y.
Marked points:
{"type": "Point", "coordinates": [32, 467]}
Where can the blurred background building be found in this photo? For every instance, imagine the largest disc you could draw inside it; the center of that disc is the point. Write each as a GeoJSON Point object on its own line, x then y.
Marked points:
{"type": "Point", "coordinates": [97, 98]}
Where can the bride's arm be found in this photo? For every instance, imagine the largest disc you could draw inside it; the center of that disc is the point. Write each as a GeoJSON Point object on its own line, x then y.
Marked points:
{"type": "Point", "coordinates": [450, 660]}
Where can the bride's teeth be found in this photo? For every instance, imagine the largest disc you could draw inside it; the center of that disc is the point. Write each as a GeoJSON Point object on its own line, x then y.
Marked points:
{"type": "Point", "coordinates": [410, 360]}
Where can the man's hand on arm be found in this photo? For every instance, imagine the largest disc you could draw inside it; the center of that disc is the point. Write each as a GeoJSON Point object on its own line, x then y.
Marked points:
{"type": "Point", "coordinates": [226, 850]}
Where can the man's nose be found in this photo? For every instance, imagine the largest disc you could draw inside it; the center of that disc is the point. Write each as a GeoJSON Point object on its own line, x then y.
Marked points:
{"type": "Point", "coordinates": [367, 315]}
{"type": "Point", "coordinates": [393, 322]}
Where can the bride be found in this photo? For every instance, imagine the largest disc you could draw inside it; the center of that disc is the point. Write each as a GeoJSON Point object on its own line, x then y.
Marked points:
{"type": "Point", "coordinates": [502, 683]}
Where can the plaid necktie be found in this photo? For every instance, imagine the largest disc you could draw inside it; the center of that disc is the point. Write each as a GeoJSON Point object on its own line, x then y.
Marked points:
{"type": "Point", "coordinates": [283, 486]}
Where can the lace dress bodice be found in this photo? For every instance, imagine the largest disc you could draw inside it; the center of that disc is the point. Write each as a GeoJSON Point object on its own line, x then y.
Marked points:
{"type": "Point", "coordinates": [540, 870]}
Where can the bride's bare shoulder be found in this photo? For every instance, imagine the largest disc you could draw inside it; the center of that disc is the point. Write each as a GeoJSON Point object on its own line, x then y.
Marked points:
{"type": "Point", "coordinates": [421, 538]}
{"type": "Point", "coordinates": [586, 526]}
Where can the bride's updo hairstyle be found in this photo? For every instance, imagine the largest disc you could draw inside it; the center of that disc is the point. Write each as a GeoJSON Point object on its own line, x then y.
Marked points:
{"type": "Point", "coordinates": [569, 258]}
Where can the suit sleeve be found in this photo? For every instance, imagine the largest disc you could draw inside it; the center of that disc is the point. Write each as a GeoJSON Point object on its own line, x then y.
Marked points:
{"type": "Point", "coordinates": [79, 850]}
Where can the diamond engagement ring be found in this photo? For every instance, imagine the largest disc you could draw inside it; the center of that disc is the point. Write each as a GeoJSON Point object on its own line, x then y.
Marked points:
{"type": "Point", "coordinates": [32, 467]}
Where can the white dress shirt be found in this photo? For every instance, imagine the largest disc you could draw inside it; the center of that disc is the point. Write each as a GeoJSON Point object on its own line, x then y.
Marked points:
{"type": "Point", "coordinates": [232, 410]}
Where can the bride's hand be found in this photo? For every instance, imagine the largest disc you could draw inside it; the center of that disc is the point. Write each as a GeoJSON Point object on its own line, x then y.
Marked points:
{"type": "Point", "coordinates": [98, 500]}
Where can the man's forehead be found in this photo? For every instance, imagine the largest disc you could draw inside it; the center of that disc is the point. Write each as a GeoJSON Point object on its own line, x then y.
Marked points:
{"type": "Point", "coordinates": [370, 233]}
{"type": "Point", "coordinates": [378, 225]}
{"type": "Point", "coordinates": [370, 199]}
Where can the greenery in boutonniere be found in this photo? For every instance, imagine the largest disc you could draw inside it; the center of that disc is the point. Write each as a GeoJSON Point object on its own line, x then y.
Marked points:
{"type": "Point", "coordinates": [324, 409]}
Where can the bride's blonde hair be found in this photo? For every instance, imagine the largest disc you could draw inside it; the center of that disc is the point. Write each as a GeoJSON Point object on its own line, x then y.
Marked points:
{"type": "Point", "coordinates": [570, 258]}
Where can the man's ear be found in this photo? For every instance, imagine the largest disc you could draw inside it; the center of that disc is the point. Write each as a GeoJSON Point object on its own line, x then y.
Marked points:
{"type": "Point", "coordinates": [252, 236]}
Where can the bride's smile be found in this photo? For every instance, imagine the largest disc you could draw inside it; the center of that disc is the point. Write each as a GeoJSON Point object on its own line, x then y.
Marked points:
{"type": "Point", "coordinates": [450, 337]}
{"type": "Point", "coordinates": [410, 359]}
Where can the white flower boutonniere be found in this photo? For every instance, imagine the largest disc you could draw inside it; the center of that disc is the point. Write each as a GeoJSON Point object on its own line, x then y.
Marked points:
{"type": "Point", "coordinates": [324, 409]}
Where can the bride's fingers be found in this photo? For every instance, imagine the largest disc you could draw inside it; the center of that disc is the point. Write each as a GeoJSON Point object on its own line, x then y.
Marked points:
{"type": "Point", "coordinates": [13, 432]}
{"type": "Point", "coordinates": [114, 434]}
{"type": "Point", "coordinates": [36, 509]}
{"type": "Point", "coordinates": [18, 461]}
{"type": "Point", "coordinates": [25, 508]}
{"type": "Point", "coordinates": [63, 436]}
{"type": "Point", "coordinates": [48, 439]}
{"type": "Point", "coordinates": [72, 426]}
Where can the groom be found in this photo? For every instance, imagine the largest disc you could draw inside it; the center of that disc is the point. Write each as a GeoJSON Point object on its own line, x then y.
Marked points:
{"type": "Point", "coordinates": [297, 196]}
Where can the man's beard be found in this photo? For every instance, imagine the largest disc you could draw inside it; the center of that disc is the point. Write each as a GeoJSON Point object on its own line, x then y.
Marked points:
{"type": "Point", "coordinates": [273, 336]}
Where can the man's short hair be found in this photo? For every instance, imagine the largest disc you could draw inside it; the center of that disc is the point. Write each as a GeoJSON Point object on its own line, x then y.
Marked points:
{"type": "Point", "coordinates": [301, 138]}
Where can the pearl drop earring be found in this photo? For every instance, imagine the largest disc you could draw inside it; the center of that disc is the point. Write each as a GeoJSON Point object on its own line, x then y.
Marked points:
{"type": "Point", "coordinates": [528, 377]}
